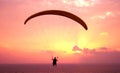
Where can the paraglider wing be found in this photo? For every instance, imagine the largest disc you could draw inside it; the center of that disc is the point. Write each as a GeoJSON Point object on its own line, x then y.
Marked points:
{"type": "Point", "coordinates": [61, 13]}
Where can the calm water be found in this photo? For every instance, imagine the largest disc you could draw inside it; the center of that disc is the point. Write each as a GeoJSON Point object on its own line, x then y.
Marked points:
{"type": "Point", "coordinates": [65, 68]}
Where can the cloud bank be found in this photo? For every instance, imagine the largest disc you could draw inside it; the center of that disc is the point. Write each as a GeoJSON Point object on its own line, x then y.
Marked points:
{"type": "Point", "coordinates": [98, 55]}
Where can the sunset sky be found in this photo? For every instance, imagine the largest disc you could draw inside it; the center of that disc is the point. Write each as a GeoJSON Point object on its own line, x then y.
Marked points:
{"type": "Point", "coordinates": [47, 36]}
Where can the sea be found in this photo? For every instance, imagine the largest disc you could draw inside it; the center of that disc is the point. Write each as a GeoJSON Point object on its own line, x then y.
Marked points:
{"type": "Point", "coordinates": [60, 68]}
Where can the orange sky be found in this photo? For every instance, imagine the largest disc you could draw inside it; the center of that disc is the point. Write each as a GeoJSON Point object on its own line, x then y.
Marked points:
{"type": "Point", "coordinates": [52, 35]}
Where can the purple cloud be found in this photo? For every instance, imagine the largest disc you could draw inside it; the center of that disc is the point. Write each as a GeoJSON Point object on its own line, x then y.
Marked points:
{"type": "Point", "coordinates": [100, 55]}
{"type": "Point", "coordinates": [76, 48]}
{"type": "Point", "coordinates": [103, 48]}
{"type": "Point", "coordinates": [87, 50]}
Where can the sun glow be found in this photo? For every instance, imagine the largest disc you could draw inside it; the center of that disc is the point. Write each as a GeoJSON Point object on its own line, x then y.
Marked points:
{"type": "Point", "coordinates": [77, 51]}
{"type": "Point", "coordinates": [63, 45]}
{"type": "Point", "coordinates": [87, 42]}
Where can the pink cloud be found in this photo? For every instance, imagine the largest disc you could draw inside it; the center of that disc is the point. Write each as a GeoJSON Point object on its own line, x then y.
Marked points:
{"type": "Point", "coordinates": [87, 50]}
{"type": "Point", "coordinates": [103, 48]}
{"type": "Point", "coordinates": [104, 15]}
{"type": "Point", "coordinates": [80, 3]}
{"type": "Point", "coordinates": [99, 55]}
{"type": "Point", "coordinates": [76, 48]}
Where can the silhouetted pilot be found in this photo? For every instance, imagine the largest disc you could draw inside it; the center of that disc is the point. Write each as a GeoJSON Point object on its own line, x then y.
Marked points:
{"type": "Point", "coordinates": [54, 61]}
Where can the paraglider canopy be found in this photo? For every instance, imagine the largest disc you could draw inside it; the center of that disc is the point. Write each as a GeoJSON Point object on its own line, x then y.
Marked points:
{"type": "Point", "coordinates": [61, 13]}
